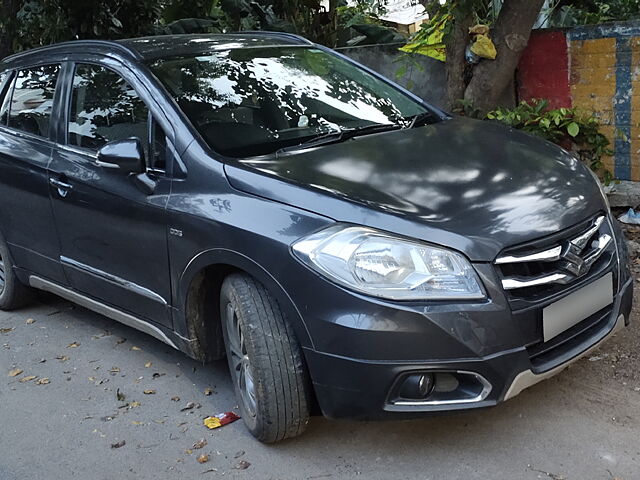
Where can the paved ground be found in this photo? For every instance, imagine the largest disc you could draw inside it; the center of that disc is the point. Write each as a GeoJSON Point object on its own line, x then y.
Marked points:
{"type": "Point", "coordinates": [583, 424]}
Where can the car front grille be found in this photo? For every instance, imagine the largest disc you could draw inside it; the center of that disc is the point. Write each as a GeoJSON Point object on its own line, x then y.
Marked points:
{"type": "Point", "coordinates": [536, 273]}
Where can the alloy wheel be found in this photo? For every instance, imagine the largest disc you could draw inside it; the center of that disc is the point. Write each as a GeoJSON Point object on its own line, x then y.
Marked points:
{"type": "Point", "coordinates": [240, 362]}
{"type": "Point", "coordinates": [2, 274]}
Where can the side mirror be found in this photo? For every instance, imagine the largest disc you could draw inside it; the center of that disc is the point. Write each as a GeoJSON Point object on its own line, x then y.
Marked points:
{"type": "Point", "coordinates": [127, 155]}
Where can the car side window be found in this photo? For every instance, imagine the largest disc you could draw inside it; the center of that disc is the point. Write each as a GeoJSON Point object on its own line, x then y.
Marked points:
{"type": "Point", "coordinates": [104, 108]}
{"type": "Point", "coordinates": [5, 96]}
{"type": "Point", "coordinates": [157, 160]}
{"type": "Point", "coordinates": [32, 100]}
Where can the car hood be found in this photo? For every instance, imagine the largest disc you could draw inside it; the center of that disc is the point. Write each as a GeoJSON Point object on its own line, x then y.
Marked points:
{"type": "Point", "coordinates": [474, 186]}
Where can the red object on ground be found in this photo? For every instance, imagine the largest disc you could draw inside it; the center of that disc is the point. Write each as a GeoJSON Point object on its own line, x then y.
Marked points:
{"type": "Point", "coordinates": [543, 71]}
{"type": "Point", "coordinates": [227, 417]}
{"type": "Point", "coordinates": [220, 420]}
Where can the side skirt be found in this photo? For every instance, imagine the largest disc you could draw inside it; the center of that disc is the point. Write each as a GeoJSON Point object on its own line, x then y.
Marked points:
{"type": "Point", "coordinates": [101, 308]}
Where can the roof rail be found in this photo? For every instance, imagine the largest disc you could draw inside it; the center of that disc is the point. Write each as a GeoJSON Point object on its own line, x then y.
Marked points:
{"type": "Point", "coordinates": [98, 43]}
{"type": "Point", "coordinates": [277, 34]}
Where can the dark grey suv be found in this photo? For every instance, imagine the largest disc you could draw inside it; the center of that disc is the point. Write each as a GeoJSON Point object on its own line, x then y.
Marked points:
{"type": "Point", "coordinates": [344, 244]}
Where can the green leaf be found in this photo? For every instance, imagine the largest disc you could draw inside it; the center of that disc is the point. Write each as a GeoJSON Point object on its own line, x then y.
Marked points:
{"type": "Point", "coordinates": [573, 129]}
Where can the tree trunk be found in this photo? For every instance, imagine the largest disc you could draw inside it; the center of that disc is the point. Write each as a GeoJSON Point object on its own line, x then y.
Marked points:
{"type": "Point", "coordinates": [510, 35]}
{"type": "Point", "coordinates": [455, 64]}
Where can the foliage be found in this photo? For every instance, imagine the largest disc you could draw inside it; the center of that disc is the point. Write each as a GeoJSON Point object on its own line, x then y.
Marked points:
{"type": "Point", "coordinates": [40, 22]}
{"type": "Point", "coordinates": [564, 126]}
{"type": "Point", "coordinates": [564, 13]}
{"type": "Point", "coordinates": [362, 12]}
{"type": "Point", "coordinates": [32, 23]}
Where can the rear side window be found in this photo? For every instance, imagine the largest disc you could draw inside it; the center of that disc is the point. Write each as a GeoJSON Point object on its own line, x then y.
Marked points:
{"type": "Point", "coordinates": [5, 96]}
{"type": "Point", "coordinates": [32, 100]}
{"type": "Point", "coordinates": [104, 108]}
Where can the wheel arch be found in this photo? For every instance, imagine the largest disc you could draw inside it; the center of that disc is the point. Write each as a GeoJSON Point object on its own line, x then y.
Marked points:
{"type": "Point", "coordinates": [198, 298]}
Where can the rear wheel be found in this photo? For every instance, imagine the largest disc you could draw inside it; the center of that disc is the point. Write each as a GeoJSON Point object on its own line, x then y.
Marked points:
{"type": "Point", "coordinates": [13, 294]}
{"type": "Point", "coordinates": [265, 361]}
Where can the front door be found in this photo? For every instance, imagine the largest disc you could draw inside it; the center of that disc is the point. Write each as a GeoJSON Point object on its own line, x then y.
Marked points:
{"type": "Point", "coordinates": [26, 220]}
{"type": "Point", "coordinates": [113, 234]}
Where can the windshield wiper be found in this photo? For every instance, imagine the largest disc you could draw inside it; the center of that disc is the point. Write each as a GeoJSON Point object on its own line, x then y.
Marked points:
{"type": "Point", "coordinates": [418, 120]}
{"type": "Point", "coordinates": [337, 136]}
{"type": "Point", "coordinates": [375, 128]}
{"type": "Point", "coordinates": [330, 137]}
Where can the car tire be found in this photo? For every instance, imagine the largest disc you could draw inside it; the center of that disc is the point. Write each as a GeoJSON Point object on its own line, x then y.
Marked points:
{"type": "Point", "coordinates": [13, 294]}
{"type": "Point", "coordinates": [265, 359]}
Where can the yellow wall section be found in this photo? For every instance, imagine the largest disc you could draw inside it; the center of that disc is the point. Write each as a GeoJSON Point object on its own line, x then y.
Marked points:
{"type": "Point", "coordinates": [593, 82]}
{"type": "Point", "coordinates": [635, 109]}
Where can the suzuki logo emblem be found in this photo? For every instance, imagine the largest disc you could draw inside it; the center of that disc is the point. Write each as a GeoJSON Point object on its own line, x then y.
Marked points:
{"type": "Point", "coordinates": [573, 263]}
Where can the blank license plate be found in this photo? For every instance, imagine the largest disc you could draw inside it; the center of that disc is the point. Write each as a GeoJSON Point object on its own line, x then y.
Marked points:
{"type": "Point", "coordinates": [565, 313]}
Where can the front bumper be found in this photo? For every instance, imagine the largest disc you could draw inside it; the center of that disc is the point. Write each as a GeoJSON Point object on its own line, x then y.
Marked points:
{"type": "Point", "coordinates": [359, 388]}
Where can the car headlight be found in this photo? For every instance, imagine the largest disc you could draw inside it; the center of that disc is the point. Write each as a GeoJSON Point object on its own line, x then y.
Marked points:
{"type": "Point", "coordinates": [382, 265]}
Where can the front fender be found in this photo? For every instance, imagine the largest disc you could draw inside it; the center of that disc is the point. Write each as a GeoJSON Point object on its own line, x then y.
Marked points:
{"type": "Point", "coordinates": [226, 257]}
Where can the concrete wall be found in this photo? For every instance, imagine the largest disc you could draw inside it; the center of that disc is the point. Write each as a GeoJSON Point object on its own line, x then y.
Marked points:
{"type": "Point", "coordinates": [595, 68]}
{"type": "Point", "coordinates": [428, 81]}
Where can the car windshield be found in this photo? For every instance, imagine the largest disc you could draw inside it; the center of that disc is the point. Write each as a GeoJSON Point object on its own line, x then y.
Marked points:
{"type": "Point", "coordinates": [255, 101]}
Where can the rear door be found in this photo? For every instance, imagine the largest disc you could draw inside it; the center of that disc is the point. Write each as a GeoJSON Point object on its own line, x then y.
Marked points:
{"type": "Point", "coordinates": [26, 122]}
{"type": "Point", "coordinates": [113, 234]}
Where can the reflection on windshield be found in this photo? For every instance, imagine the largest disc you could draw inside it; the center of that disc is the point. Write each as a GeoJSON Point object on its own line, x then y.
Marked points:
{"type": "Point", "coordinates": [255, 101]}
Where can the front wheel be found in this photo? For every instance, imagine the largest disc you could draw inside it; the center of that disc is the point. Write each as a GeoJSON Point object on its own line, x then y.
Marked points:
{"type": "Point", "coordinates": [265, 361]}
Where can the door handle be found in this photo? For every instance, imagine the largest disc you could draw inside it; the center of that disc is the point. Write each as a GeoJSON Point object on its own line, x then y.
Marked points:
{"type": "Point", "coordinates": [63, 187]}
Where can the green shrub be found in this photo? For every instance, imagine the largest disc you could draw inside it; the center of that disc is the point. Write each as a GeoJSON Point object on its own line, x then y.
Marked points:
{"type": "Point", "coordinates": [573, 130]}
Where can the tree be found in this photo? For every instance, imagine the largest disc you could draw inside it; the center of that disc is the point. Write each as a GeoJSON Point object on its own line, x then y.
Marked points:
{"type": "Point", "coordinates": [8, 25]}
{"type": "Point", "coordinates": [482, 85]}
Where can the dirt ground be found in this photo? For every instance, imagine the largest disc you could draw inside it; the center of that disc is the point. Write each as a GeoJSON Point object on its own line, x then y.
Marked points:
{"type": "Point", "coordinates": [108, 384]}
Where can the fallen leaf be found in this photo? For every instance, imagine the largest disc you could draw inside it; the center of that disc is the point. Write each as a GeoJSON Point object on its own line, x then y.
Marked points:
{"type": "Point", "coordinates": [175, 399]}
{"type": "Point", "coordinates": [188, 451]}
{"type": "Point", "coordinates": [42, 381]}
{"type": "Point", "coordinates": [62, 358]}
{"type": "Point", "coordinates": [200, 444]}
{"type": "Point", "coordinates": [188, 406]}
{"type": "Point", "coordinates": [115, 370]}
{"type": "Point", "coordinates": [120, 340]}
{"type": "Point", "coordinates": [149, 392]}
{"type": "Point", "coordinates": [134, 404]}
{"type": "Point", "coordinates": [120, 396]}
{"type": "Point", "coordinates": [15, 372]}
{"type": "Point", "coordinates": [204, 458]}
{"type": "Point", "coordinates": [243, 465]}
{"type": "Point", "coordinates": [119, 444]}
{"type": "Point", "coordinates": [160, 421]}
{"type": "Point", "coordinates": [92, 379]}
{"type": "Point", "coordinates": [30, 321]}
{"type": "Point", "coordinates": [6, 330]}
{"type": "Point", "coordinates": [73, 345]}
{"type": "Point", "coordinates": [137, 349]}
{"type": "Point", "coordinates": [27, 379]}
{"type": "Point", "coordinates": [148, 364]}
{"type": "Point", "coordinates": [137, 423]}
{"type": "Point", "coordinates": [208, 391]}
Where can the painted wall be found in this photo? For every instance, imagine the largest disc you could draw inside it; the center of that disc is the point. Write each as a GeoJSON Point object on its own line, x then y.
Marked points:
{"type": "Point", "coordinates": [595, 68]}
{"type": "Point", "coordinates": [543, 71]}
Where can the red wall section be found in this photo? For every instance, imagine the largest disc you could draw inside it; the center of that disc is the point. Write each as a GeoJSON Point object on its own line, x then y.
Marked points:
{"type": "Point", "coordinates": [544, 69]}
